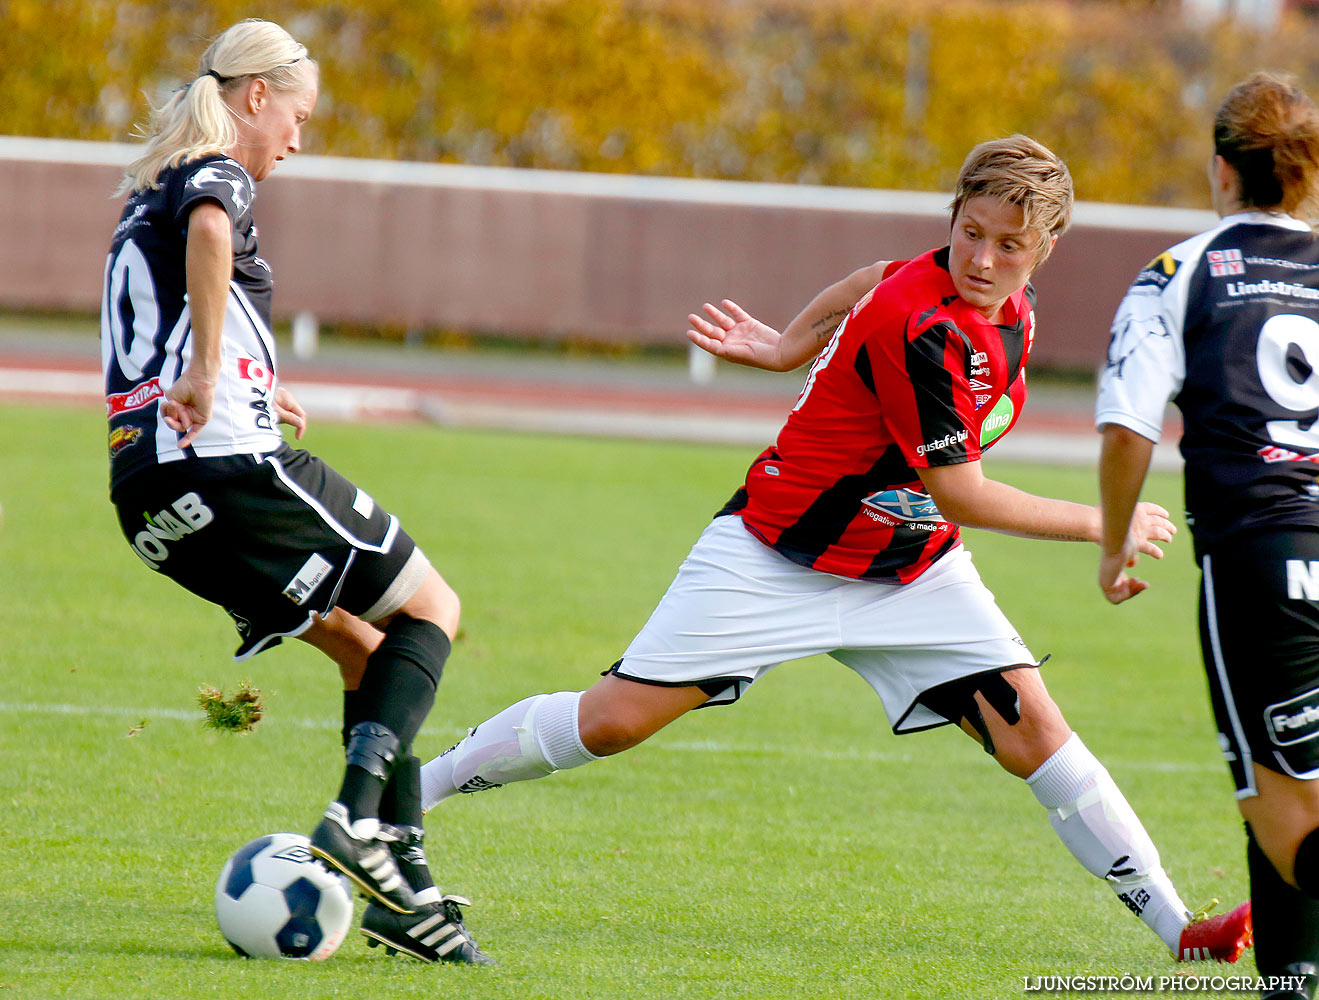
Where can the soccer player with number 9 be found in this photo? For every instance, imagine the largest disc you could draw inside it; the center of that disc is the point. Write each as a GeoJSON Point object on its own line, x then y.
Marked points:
{"type": "Point", "coordinates": [1226, 325]}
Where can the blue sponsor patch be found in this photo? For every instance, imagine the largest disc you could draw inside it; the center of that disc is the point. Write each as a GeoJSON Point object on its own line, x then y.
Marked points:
{"type": "Point", "coordinates": [905, 505]}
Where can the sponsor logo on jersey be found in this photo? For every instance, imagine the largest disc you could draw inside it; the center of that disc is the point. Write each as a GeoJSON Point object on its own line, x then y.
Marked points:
{"type": "Point", "coordinates": [982, 399]}
{"type": "Point", "coordinates": [1295, 720]}
{"type": "Point", "coordinates": [1157, 272]}
{"type": "Point", "coordinates": [130, 220]}
{"type": "Point", "coordinates": [124, 437]}
{"type": "Point", "coordinates": [1272, 453]}
{"type": "Point", "coordinates": [980, 358]}
{"type": "Point", "coordinates": [186, 515]}
{"type": "Point", "coordinates": [313, 573]}
{"type": "Point", "coordinates": [938, 444]}
{"type": "Point", "coordinates": [905, 505]}
{"type": "Point", "coordinates": [979, 386]}
{"type": "Point", "coordinates": [1241, 289]}
{"type": "Point", "coordinates": [251, 370]}
{"type": "Point", "coordinates": [124, 402]}
{"type": "Point", "coordinates": [998, 420]}
{"type": "Point", "coordinates": [1225, 262]}
{"type": "Point", "coordinates": [213, 175]}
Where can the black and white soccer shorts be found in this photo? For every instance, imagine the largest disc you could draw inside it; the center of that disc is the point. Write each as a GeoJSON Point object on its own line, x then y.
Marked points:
{"type": "Point", "coordinates": [1259, 633]}
{"type": "Point", "coordinates": [274, 539]}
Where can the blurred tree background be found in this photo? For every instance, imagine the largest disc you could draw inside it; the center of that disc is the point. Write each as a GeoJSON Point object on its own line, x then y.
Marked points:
{"type": "Point", "coordinates": [873, 93]}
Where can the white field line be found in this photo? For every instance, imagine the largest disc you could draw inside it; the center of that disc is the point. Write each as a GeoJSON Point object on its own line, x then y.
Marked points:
{"type": "Point", "coordinates": [675, 746]}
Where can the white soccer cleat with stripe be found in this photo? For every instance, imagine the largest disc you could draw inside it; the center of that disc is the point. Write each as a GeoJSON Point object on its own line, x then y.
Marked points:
{"type": "Point", "coordinates": [356, 849]}
{"type": "Point", "coordinates": [435, 933]}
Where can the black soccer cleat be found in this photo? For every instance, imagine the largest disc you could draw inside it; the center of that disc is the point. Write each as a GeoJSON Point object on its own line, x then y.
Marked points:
{"type": "Point", "coordinates": [363, 856]}
{"type": "Point", "coordinates": [435, 933]}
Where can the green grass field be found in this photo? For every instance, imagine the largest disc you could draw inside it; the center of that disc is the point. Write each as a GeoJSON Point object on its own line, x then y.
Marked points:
{"type": "Point", "coordinates": [787, 847]}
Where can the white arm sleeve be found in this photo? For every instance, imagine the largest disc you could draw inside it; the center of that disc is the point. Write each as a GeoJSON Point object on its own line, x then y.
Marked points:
{"type": "Point", "coordinates": [1146, 358]}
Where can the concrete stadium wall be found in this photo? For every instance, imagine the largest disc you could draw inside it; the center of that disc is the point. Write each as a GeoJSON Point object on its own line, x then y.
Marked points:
{"type": "Point", "coordinates": [551, 254]}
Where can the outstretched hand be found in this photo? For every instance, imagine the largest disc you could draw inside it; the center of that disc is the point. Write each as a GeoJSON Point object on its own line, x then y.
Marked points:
{"type": "Point", "coordinates": [735, 335]}
{"type": "Point", "coordinates": [1150, 526]}
{"type": "Point", "coordinates": [187, 405]}
{"type": "Point", "coordinates": [288, 410]}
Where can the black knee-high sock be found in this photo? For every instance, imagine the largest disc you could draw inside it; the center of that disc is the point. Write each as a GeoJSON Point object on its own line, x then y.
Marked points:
{"type": "Point", "coordinates": [1286, 920]}
{"type": "Point", "coordinates": [401, 806]}
{"type": "Point", "coordinates": [396, 693]}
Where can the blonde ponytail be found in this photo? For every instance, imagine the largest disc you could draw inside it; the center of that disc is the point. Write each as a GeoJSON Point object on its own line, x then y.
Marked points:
{"type": "Point", "coordinates": [196, 121]}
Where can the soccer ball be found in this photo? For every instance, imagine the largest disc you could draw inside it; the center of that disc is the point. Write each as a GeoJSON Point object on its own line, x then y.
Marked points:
{"type": "Point", "coordinates": [275, 900]}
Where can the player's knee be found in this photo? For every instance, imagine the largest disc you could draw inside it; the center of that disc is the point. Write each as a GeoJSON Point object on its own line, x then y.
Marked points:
{"type": "Point", "coordinates": [436, 602]}
{"type": "Point", "coordinates": [606, 733]}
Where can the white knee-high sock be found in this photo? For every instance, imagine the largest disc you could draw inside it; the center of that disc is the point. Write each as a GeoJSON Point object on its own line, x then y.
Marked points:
{"type": "Point", "coordinates": [531, 739]}
{"type": "Point", "coordinates": [1095, 822]}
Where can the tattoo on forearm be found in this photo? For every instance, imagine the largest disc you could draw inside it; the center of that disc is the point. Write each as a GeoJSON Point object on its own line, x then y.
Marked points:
{"type": "Point", "coordinates": [1060, 536]}
{"type": "Point", "coordinates": [824, 326]}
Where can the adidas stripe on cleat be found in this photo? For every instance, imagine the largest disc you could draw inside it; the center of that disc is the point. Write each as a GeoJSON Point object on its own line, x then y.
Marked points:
{"type": "Point", "coordinates": [356, 850]}
{"type": "Point", "coordinates": [1223, 938]}
{"type": "Point", "coordinates": [435, 933]}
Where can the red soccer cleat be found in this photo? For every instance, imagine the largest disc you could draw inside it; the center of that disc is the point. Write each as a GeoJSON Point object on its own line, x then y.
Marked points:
{"type": "Point", "coordinates": [1222, 938]}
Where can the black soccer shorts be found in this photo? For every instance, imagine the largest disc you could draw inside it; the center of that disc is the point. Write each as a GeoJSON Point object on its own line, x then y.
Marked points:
{"type": "Point", "coordinates": [271, 538]}
{"type": "Point", "coordinates": [1259, 633]}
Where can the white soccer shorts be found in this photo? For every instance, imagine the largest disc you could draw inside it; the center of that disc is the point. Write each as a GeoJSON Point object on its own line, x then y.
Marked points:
{"type": "Point", "coordinates": [737, 609]}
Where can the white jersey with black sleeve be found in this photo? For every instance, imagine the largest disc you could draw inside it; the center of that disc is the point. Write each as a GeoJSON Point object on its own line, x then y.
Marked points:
{"type": "Point", "coordinates": [146, 328]}
{"type": "Point", "coordinates": [1226, 325]}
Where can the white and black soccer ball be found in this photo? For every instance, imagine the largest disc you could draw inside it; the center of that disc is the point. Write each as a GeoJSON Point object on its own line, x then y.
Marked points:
{"type": "Point", "coordinates": [275, 900]}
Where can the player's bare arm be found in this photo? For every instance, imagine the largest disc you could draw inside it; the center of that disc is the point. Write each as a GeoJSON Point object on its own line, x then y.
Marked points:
{"type": "Point", "coordinates": [735, 335]}
{"type": "Point", "coordinates": [966, 497]}
{"type": "Point", "coordinates": [209, 266]}
{"type": "Point", "coordinates": [1123, 463]}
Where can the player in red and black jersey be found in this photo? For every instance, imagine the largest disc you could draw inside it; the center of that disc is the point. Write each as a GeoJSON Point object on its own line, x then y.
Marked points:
{"type": "Point", "coordinates": [901, 385]}
{"type": "Point", "coordinates": [844, 540]}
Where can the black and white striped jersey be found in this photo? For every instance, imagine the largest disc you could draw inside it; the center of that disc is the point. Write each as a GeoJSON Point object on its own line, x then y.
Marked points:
{"type": "Point", "coordinates": [146, 329]}
{"type": "Point", "coordinates": [1226, 325]}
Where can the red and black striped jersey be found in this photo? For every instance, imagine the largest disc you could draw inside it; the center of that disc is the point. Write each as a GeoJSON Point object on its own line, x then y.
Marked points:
{"type": "Point", "coordinates": [913, 377]}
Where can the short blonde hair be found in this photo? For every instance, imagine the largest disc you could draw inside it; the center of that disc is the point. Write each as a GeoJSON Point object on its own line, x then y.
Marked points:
{"type": "Point", "coordinates": [1267, 129]}
{"type": "Point", "coordinates": [1026, 173]}
{"type": "Point", "coordinates": [195, 121]}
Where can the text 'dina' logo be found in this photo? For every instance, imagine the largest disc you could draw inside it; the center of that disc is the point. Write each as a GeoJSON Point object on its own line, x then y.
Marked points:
{"type": "Point", "coordinates": [1225, 262]}
{"type": "Point", "coordinates": [250, 370]}
{"type": "Point", "coordinates": [997, 421]}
